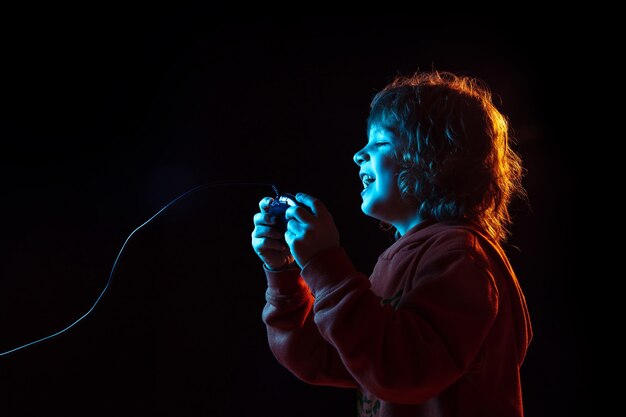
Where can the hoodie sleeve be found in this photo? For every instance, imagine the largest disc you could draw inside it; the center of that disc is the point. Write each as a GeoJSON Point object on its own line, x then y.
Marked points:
{"type": "Point", "coordinates": [293, 336]}
{"type": "Point", "coordinates": [412, 352]}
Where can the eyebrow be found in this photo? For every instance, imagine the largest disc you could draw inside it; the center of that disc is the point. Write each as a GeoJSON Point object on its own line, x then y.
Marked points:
{"type": "Point", "coordinates": [392, 130]}
{"type": "Point", "coordinates": [387, 131]}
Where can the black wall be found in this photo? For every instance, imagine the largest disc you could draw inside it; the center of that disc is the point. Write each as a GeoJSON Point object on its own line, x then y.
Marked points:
{"type": "Point", "coordinates": [107, 117]}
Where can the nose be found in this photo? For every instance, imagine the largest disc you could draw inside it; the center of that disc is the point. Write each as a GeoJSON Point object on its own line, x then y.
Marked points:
{"type": "Point", "coordinates": [360, 157]}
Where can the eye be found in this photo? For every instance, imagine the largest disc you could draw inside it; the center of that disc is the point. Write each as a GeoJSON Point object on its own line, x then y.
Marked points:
{"type": "Point", "coordinates": [379, 144]}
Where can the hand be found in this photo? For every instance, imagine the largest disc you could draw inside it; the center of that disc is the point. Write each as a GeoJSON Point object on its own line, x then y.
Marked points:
{"type": "Point", "coordinates": [309, 233]}
{"type": "Point", "coordinates": [267, 239]}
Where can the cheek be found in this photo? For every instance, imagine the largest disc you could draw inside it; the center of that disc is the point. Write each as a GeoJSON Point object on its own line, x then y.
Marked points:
{"type": "Point", "coordinates": [390, 177]}
{"type": "Point", "coordinates": [388, 162]}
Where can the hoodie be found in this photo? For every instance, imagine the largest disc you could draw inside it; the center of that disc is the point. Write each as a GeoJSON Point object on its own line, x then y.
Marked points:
{"type": "Point", "coordinates": [439, 329]}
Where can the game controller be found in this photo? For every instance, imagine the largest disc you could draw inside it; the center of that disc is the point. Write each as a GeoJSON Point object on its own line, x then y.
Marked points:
{"type": "Point", "coordinates": [280, 205]}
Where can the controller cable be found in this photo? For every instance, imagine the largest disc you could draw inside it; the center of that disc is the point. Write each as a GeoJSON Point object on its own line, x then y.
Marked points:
{"type": "Point", "coordinates": [165, 207]}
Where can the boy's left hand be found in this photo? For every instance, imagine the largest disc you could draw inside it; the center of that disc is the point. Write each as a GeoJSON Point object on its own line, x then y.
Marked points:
{"type": "Point", "coordinates": [309, 233]}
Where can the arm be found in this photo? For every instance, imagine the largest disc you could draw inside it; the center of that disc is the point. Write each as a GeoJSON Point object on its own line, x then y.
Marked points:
{"type": "Point", "coordinates": [294, 337]}
{"type": "Point", "coordinates": [408, 354]}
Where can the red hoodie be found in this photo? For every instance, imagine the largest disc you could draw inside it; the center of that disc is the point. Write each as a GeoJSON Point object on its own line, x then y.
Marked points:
{"type": "Point", "coordinates": [439, 329]}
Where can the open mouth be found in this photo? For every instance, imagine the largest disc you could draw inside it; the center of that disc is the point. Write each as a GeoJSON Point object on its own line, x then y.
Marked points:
{"type": "Point", "coordinates": [366, 180]}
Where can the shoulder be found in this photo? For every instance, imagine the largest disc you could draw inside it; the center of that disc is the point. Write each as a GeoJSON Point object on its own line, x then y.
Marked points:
{"type": "Point", "coordinates": [454, 237]}
{"type": "Point", "coordinates": [445, 258]}
{"type": "Point", "coordinates": [451, 260]}
{"type": "Point", "coordinates": [442, 238]}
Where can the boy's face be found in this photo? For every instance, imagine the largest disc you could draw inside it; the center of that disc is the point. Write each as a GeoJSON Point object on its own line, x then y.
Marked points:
{"type": "Point", "coordinates": [378, 172]}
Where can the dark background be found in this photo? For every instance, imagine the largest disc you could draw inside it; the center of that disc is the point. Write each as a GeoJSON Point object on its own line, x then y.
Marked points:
{"type": "Point", "coordinates": [108, 117]}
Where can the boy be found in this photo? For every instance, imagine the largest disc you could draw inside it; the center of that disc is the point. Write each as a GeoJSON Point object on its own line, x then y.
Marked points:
{"type": "Point", "coordinates": [441, 327]}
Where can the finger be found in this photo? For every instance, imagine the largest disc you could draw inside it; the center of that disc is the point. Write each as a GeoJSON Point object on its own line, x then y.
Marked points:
{"type": "Point", "coordinates": [267, 231]}
{"type": "Point", "coordinates": [298, 213]}
{"type": "Point", "coordinates": [293, 233]}
{"type": "Point", "coordinates": [289, 237]}
{"type": "Point", "coordinates": [264, 219]}
{"type": "Point", "coordinates": [265, 203]}
{"type": "Point", "coordinates": [316, 205]}
{"type": "Point", "coordinates": [295, 228]}
{"type": "Point", "coordinates": [266, 246]}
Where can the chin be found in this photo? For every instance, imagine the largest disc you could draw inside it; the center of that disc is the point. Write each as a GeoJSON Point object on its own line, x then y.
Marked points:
{"type": "Point", "coordinates": [368, 210]}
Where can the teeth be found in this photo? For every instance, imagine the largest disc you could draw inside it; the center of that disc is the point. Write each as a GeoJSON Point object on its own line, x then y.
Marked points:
{"type": "Point", "coordinates": [367, 180]}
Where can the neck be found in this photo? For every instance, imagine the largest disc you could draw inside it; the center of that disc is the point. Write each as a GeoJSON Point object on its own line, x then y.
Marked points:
{"type": "Point", "coordinates": [405, 226]}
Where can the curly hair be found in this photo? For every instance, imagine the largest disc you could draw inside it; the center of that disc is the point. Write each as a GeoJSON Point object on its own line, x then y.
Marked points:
{"type": "Point", "coordinates": [456, 163]}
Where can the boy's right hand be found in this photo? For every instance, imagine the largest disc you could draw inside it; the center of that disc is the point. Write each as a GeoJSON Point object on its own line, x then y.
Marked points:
{"type": "Point", "coordinates": [268, 240]}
